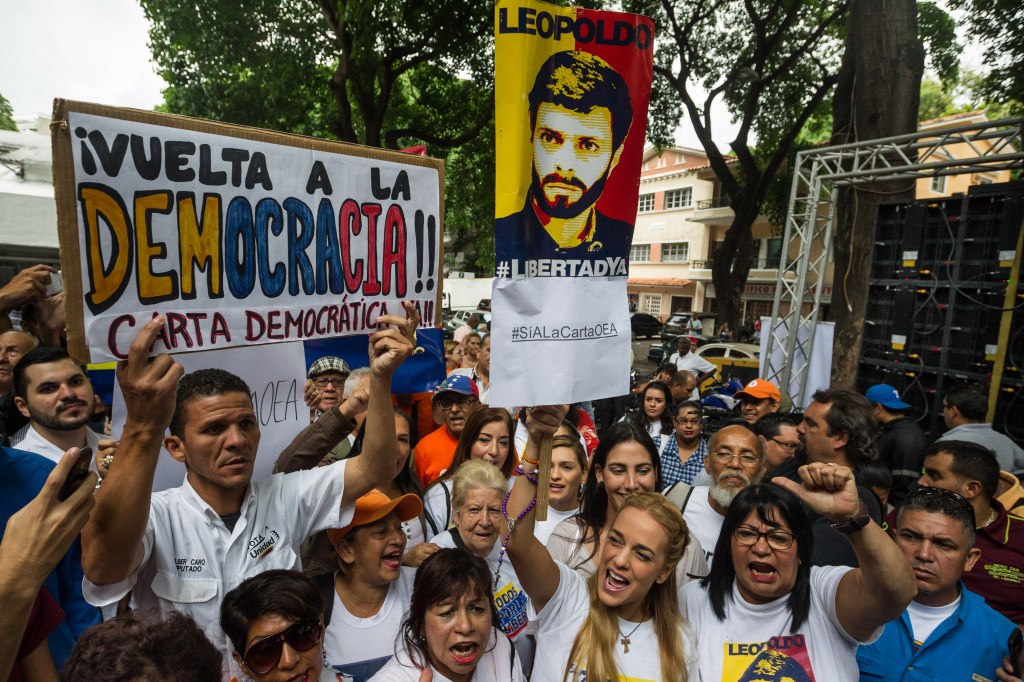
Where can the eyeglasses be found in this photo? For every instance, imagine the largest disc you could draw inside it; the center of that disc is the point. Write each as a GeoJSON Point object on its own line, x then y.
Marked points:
{"type": "Point", "coordinates": [728, 457]}
{"type": "Point", "coordinates": [320, 382]}
{"type": "Point", "coordinates": [463, 403]}
{"type": "Point", "coordinates": [686, 422]}
{"type": "Point", "coordinates": [784, 444]}
{"type": "Point", "coordinates": [777, 539]}
{"type": "Point", "coordinates": [263, 656]}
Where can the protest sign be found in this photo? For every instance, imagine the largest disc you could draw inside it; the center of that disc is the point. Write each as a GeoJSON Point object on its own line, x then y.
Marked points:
{"type": "Point", "coordinates": [275, 374]}
{"type": "Point", "coordinates": [237, 236]}
{"type": "Point", "coordinates": [571, 92]}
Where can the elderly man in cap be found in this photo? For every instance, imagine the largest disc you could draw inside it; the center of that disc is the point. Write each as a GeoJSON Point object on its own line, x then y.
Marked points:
{"type": "Point", "coordinates": [901, 443]}
{"type": "Point", "coordinates": [324, 384]}
{"type": "Point", "coordinates": [453, 399]}
{"type": "Point", "coordinates": [758, 398]}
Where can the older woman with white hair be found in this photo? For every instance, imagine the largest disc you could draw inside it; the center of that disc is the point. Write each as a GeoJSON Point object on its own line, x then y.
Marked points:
{"type": "Point", "coordinates": [477, 493]}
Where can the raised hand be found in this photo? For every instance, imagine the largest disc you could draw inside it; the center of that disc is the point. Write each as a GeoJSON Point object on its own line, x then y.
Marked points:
{"type": "Point", "coordinates": [39, 534]}
{"type": "Point", "coordinates": [149, 385]}
{"type": "Point", "coordinates": [394, 341]}
{"type": "Point", "coordinates": [107, 448]}
{"type": "Point", "coordinates": [28, 285]}
{"type": "Point", "coordinates": [827, 488]}
{"type": "Point", "coordinates": [543, 420]}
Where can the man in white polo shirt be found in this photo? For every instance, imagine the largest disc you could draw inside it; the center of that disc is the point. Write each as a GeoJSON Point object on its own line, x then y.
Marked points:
{"type": "Point", "coordinates": [187, 547]}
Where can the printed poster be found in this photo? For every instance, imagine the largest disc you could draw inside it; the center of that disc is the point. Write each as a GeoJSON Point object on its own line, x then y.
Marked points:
{"type": "Point", "coordinates": [572, 87]}
{"type": "Point", "coordinates": [237, 236]}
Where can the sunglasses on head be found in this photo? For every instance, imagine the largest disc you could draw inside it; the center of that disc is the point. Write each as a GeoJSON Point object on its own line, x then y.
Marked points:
{"type": "Point", "coordinates": [264, 655]}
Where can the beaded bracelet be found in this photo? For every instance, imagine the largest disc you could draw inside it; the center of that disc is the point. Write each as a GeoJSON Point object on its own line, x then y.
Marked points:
{"type": "Point", "coordinates": [511, 524]}
{"type": "Point", "coordinates": [531, 476]}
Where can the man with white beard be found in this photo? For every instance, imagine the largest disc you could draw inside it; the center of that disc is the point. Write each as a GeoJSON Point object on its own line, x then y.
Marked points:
{"type": "Point", "coordinates": [735, 460]}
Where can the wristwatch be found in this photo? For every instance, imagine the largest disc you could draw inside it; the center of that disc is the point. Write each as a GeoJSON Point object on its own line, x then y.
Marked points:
{"type": "Point", "coordinates": [854, 524]}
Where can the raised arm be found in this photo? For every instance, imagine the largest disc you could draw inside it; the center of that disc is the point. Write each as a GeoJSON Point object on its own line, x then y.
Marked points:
{"type": "Point", "coordinates": [378, 463]}
{"type": "Point", "coordinates": [117, 524]}
{"type": "Point", "coordinates": [534, 566]}
{"type": "Point", "coordinates": [36, 538]}
{"type": "Point", "coordinates": [880, 589]}
{"type": "Point", "coordinates": [314, 443]}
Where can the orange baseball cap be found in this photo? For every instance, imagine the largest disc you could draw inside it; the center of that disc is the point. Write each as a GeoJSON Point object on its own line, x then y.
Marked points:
{"type": "Point", "coordinates": [374, 506]}
{"type": "Point", "coordinates": [758, 389]}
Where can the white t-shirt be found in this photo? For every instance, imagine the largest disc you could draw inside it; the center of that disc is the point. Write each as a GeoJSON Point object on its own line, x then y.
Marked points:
{"type": "Point", "coordinates": [754, 635]}
{"type": "Point", "coordinates": [924, 619]}
{"type": "Point", "coordinates": [542, 529]}
{"type": "Point", "coordinates": [359, 647]}
{"type": "Point", "coordinates": [560, 620]}
{"type": "Point", "coordinates": [703, 521]}
{"type": "Point", "coordinates": [691, 362]}
{"type": "Point", "coordinates": [496, 665]}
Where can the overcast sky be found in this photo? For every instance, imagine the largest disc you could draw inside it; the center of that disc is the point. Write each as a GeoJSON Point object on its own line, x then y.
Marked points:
{"type": "Point", "coordinates": [91, 50]}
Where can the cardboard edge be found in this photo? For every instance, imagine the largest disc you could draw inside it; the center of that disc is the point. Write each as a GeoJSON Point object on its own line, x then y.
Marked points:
{"type": "Point", "coordinates": [67, 231]}
{"type": "Point", "coordinates": [440, 245]}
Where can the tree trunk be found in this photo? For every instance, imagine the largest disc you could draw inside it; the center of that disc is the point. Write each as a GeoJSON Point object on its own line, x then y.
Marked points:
{"type": "Point", "coordinates": [877, 96]}
{"type": "Point", "coordinates": [732, 266]}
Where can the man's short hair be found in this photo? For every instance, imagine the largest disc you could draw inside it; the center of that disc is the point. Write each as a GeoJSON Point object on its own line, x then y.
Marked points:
{"type": "Point", "coordinates": [849, 411]}
{"type": "Point", "coordinates": [667, 368]}
{"type": "Point", "coordinates": [971, 401]}
{"type": "Point", "coordinates": [203, 383]}
{"type": "Point", "coordinates": [770, 425]}
{"type": "Point", "coordinates": [971, 462]}
{"type": "Point", "coordinates": [941, 501]}
{"type": "Point", "coordinates": [580, 81]}
{"type": "Point", "coordinates": [144, 647]}
{"type": "Point", "coordinates": [40, 355]}
{"type": "Point", "coordinates": [682, 377]}
{"type": "Point", "coordinates": [353, 380]}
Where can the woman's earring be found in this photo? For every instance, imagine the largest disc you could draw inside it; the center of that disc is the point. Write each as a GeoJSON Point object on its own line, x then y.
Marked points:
{"type": "Point", "coordinates": [323, 654]}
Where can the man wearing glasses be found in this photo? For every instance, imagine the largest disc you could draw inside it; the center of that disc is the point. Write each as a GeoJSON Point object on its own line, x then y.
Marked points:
{"type": "Point", "coordinates": [453, 400]}
{"type": "Point", "coordinates": [780, 438]}
{"type": "Point", "coordinates": [734, 461]}
{"type": "Point", "coordinates": [947, 631]}
{"type": "Point", "coordinates": [327, 378]}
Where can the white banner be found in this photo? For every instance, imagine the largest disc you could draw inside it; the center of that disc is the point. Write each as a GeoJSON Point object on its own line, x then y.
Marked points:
{"type": "Point", "coordinates": [275, 374]}
{"type": "Point", "coordinates": [567, 341]}
{"type": "Point", "coordinates": [819, 371]}
{"type": "Point", "coordinates": [238, 240]}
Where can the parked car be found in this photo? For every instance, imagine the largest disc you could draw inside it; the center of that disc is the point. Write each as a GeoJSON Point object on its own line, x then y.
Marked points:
{"type": "Point", "coordinates": [677, 322]}
{"type": "Point", "coordinates": [745, 351]}
{"type": "Point", "coordinates": [643, 324]}
{"type": "Point", "coordinates": [459, 317]}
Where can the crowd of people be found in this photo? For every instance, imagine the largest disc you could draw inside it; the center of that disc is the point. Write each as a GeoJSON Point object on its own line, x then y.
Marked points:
{"type": "Point", "coordinates": [835, 543]}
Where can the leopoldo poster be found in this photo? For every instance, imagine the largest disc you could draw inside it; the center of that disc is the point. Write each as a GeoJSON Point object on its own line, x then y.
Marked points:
{"type": "Point", "coordinates": [571, 92]}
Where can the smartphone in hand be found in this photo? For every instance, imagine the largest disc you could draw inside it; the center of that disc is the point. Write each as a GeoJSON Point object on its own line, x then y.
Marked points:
{"type": "Point", "coordinates": [77, 474]}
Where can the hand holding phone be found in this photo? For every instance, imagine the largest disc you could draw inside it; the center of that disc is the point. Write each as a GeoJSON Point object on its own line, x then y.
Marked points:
{"type": "Point", "coordinates": [78, 473]}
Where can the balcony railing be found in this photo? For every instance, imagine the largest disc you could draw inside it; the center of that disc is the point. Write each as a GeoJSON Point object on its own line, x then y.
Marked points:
{"type": "Point", "coordinates": [718, 202]}
{"type": "Point", "coordinates": [755, 264]}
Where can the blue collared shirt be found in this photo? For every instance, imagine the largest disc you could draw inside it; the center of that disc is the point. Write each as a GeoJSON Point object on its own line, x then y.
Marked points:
{"type": "Point", "coordinates": [968, 644]}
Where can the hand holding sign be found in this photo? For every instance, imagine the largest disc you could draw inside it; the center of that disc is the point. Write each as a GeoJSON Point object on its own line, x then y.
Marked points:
{"type": "Point", "coordinates": [149, 386]}
{"type": "Point", "coordinates": [394, 342]}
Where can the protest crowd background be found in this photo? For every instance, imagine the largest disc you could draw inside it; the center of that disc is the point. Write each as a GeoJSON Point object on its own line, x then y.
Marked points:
{"type": "Point", "coordinates": [245, 435]}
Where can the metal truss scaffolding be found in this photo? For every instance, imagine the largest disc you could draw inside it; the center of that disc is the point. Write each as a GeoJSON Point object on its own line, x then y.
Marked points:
{"type": "Point", "coordinates": [819, 174]}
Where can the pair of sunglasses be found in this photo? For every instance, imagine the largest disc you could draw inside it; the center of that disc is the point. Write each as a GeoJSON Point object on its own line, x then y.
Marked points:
{"type": "Point", "coordinates": [263, 656]}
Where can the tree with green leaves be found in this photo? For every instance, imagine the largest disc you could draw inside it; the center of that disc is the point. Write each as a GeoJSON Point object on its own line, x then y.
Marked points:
{"type": "Point", "coordinates": [998, 25]}
{"type": "Point", "coordinates": [774, 64]}
{"type": "Point", "coordinates": [6, 115]}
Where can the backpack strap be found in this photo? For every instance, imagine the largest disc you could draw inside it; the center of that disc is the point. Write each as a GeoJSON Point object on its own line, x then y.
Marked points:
{"type": "Point", "coordinates": [679, 494]}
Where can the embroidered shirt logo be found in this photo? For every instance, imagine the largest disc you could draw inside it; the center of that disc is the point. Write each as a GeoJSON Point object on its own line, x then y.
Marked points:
{"type": "Point", "coordinates": [263, 544]}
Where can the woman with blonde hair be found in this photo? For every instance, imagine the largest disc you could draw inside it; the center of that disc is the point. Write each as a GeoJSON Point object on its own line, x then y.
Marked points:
{"type": "Point", "coordinates": [623, 621]}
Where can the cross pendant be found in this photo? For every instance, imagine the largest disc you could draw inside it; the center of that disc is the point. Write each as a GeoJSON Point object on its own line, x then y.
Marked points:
{"type": "Point", "coordinates": [625, 645]}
